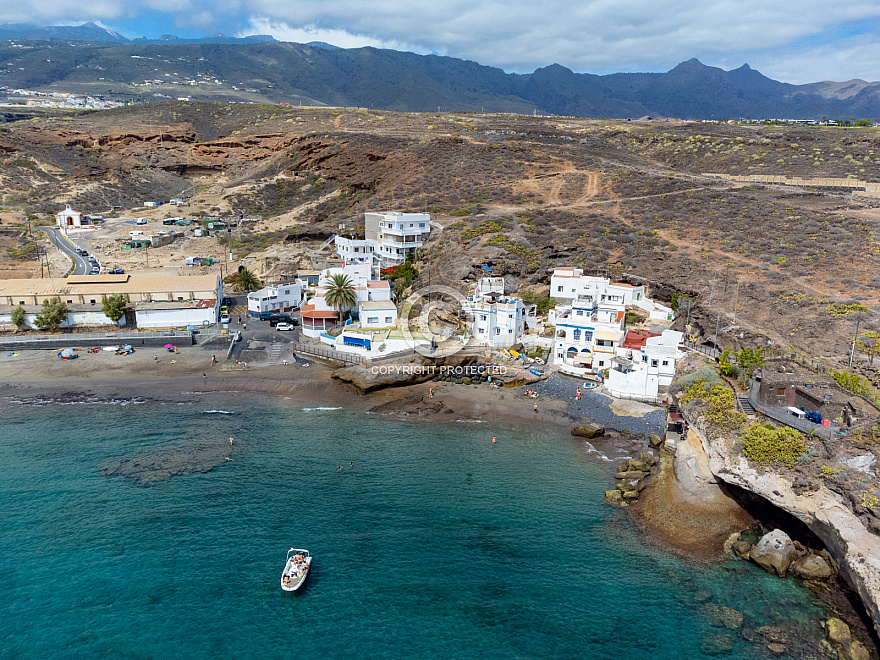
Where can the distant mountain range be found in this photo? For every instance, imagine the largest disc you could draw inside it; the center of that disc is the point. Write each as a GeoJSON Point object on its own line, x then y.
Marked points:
{"type": "Point", "coordinates": [89, 57]}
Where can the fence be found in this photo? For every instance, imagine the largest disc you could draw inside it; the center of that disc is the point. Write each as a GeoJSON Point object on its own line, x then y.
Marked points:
{"type": "Point", "coordinates": [782, 415]}
{"type": "Point", "coordinates": [327, 353]}
{"type": "Point", "coordinates": [708, 351]}
{"type": "Point", "coordinates": [94, 336]}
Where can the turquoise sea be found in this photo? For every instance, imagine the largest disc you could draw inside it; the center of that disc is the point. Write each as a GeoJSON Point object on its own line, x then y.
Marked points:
{"type": "Point", "coordinates": [434, 544]}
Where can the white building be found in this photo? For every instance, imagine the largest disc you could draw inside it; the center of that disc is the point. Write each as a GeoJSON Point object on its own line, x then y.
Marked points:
{"type": "Point", "coordinates": [154, 301]}
{"type": "Point", "coordinates": [353, 250]}
{"type": "Point", "coordinates": [69, 218]}
{"type": "Point", "coordinates": [568, 284]}
{"type": "Point", "coordinates": [642, 367]}
{"type": "Point", "coordinates": [318, 316]}
{"type": "Point", "coordinates": [497, 320]}
{"type": "Point", "coordinates": [397, 235]}
{"type": "Point", "coordinates": [377, 314]}
{"type": "Point", "coordinates": [281, 297]}
{"type": "Point", "coordinates": [587, 334]}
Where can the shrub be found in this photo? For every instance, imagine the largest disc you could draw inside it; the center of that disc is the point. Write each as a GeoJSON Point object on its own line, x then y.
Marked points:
{"type": "Point", "coordinates": [720, 402]}
{"type": "Point", "coordinates": [772, 445]}
{"type": "Point", "coordinates": [852, 382]}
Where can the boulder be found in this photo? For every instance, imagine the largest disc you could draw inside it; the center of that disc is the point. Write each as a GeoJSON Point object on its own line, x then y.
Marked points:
{"type": "Point", "coordinates": [724, 617]}
{"type": "Point", "coordinates": [631, 494]}
{"type": "Point", "coordinates": [626, 486]}
{"type": "Point", "coordinates": [777, 649]}
{"type": "Point", "coordinates": [614, 498]}
{"type": "Point", "coordinates": [774, 552]}
{"type": "Point", "coordinates": [812, 567]}
{"type": "Point", "coordinates": [741, 549]}
{"type": "Point", "coordinates": [647, 458]}
{"type": "Point", "coordinates": [631, 474]}
{"type": "Point", "coordinates": [639, 466]}
{"type": "Point", "coordinates": [655, 440]}
{"type": "Point", "coordinates": [856, 651]}
{"type": "Point", "coordinates": [837, 631]}
{"type": "Point", "coordinates": [773, 634]}
{"type": "Point", "coordinates": [623, 467]}
{"type": "Point", "coordinates": [716, 645]}
{"type": "Point", "coordinates": [591, 430]}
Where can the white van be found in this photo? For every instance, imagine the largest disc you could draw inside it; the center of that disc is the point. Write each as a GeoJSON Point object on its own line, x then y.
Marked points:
{"type": "Point", "coordinates": [141, 221]}
{"type": "Point", "coordinates": [135, 233]}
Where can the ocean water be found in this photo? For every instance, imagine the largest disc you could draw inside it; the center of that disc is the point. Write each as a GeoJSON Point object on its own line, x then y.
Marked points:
{"type": "Point", "coordinates": [435, 543]}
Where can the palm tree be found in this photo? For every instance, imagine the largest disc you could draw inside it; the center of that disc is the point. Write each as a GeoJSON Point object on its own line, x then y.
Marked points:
{"type": "Point", "coordinates": [247, 281]}
{"type": "Point", "coordinates": [340, 293]}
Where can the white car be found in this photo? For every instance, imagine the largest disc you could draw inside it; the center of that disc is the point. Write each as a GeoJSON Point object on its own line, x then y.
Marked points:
{"type": "Point", "coordinates": [284, 326]}
{"type": "Point", "coordinates": [224, 318]}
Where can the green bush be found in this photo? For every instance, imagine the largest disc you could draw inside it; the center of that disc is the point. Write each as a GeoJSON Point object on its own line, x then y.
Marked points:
{"type": "Point", "coordinates": [852, 382]}
{"type": "Point", "coordinates": [765, 444]}
{"type": "Point", "coordinates": [720, 403]}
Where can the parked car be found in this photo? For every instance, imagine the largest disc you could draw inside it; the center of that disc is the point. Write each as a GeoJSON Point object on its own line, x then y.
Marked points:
{"type": "Point", "coordinates": [224, 318]}
{"type": "Point", "coordinates": [224, 309]}
{"type": "Point", "coordinates": [284, 326]}
{"type": "Point", "coordinates": [82, 252]}
{"type": "Point", "coordinates": [227, 302]}
{"type": "Point", "coordinates": [141, 221]}
{"type": "Point", "coordinates": [95, 271]}
{"type": "Point", "coordinates": [116, 271]}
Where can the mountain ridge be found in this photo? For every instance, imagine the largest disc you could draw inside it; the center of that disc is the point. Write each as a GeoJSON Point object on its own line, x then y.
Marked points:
{"type": "Point", "coordinates": [318, 73]}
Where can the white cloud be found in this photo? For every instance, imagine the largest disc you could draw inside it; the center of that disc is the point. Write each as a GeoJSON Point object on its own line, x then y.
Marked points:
{"type": "Point", "coordinates": [342, 38]}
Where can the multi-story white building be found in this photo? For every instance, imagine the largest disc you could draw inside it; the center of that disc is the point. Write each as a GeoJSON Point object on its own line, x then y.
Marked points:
{"type": "Point", "coordinates": [353, 250]}
{"type": "Point", "coordinates": [283, 296]}
{"type": "Point", "coordinates": [497, 320]}
{"type": "Point", "coordinates": [644, 364]}
{"type": "Point", "coordinates": [397, 235]}
{"type": "Point", "coordinates": [568, 284]}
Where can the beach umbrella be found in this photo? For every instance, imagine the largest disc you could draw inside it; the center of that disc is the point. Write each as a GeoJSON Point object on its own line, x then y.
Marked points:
{"type": "Point", "coordinates": [169, 346]}
{"type": "Point", "coordinates": [66, 353]}
{"type": "Point", "coordinates": [128, 347]}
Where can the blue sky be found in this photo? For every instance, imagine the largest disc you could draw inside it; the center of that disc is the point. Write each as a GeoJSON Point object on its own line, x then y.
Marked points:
{"type": "Point", "coordinates": [807, 41]}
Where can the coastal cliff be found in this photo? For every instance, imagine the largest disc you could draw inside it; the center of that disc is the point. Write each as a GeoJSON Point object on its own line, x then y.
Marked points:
{"type": "Point", "coordinates": [854, 548]}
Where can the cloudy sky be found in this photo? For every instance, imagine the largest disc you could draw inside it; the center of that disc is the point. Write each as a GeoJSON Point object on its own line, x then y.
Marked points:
{"type": "Point", "coordinates": [796, 42]}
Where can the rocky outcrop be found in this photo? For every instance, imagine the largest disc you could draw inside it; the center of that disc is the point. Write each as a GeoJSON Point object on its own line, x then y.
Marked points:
{"type": "Point", "coordinates": [774, 552]}
{"type": "Point", "coordinates": [591, 430]}
{"type": "Point", "coordinates": [841, 639]}
{"type": "Point", "coordinates": [368, 378]}
{"type": "Point", "coordinates": [854, 549]}
{"type": "Point", "coordinates": [632, 477]}
{"type": "Point", "coordinates": [812, 567]}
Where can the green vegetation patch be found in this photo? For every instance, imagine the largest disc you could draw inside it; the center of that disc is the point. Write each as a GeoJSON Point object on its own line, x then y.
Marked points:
{"type": "Point", "coordinates": [767, 444]}
{"type": "Point", "coordinates": [720, 404]}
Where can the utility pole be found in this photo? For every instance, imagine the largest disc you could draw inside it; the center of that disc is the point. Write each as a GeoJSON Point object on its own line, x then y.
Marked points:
{"type": "Point", "coordinates": [852, 352]}
{"type": "Point", "coordinates": [736, 300]}
{"type": "Point", "coordinates": [688, 319]}
{"type": "Point", "coordinates": [717, 321]}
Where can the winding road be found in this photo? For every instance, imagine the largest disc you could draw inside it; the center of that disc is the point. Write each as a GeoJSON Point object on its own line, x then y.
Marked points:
{"type": "Point", "coordinates": [80, 264]}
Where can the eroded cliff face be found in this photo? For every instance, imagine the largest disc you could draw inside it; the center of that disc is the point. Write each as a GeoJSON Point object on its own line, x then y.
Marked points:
{"type": "Point", "coordinates": [855, 549]}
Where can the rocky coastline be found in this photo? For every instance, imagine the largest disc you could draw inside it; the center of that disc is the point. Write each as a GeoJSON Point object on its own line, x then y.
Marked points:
{"type": "Point", "coordinates": [853, 549]}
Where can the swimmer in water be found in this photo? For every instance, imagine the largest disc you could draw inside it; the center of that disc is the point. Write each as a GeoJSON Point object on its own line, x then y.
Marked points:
{"type": "Point", "coordinates": [351, 463]}
{"type": "Point", "coordinates": [493, 439]}
{"type": "Point", "coordinates": [231, 438]}
{"type": "Point", "coordinates": [339, 468]}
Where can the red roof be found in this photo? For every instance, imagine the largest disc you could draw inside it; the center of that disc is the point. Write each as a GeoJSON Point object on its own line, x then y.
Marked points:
{"type": "Point", "coordinates": [635, 339]}
{"type": "Point", "coordinates": [308, 311]}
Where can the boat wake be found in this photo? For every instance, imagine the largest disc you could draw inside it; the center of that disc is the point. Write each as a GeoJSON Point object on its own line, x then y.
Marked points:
{"type": "Point", "coordinates": [217, 412]}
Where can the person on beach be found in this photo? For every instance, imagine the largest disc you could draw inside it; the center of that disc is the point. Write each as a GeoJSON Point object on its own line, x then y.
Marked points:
{"type": "Point", "coordinates": [213, 359]}
{"type": "Point", "coordinates": [205, 377]}
{"type": "Point", "coordinates": [536, 408]}
{"type": "Point", "coordinates": [431, 392]}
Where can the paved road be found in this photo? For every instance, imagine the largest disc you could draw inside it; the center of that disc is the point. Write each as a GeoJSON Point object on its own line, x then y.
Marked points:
{"type": "Point", "coordinates": [59, 240]}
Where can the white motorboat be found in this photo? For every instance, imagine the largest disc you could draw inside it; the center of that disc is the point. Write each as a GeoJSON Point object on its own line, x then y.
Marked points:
{"type": "Point", "coordinates": [296, 569]}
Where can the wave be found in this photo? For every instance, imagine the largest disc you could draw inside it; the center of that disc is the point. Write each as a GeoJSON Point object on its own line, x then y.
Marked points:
{"type": "Point", "coordinates": [322, 408]}
{"type": "Point", "coordinates": [217, 412]}
{"type": "Point", "coordinates": [592, 450]}
{"type": "Point", "coordinates": [471, 421]}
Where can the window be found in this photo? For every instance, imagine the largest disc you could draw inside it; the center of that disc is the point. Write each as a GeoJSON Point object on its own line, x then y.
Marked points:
{"type": "Point", "coordinates": [482, 330]}
{"type": "Point", "coordinates": [588, 335]}
{"type": "Point", "coordinates": [559, 355]}
{"type": "Point", "coordinates": [665, 363]}
{"type": "Point", "coordinates": [559, 288]}
{"type": "Point", "coordinates": [510, 331]}
{"type": "Point", "coordinates": [601, 363]}
{"type": "Point", "coordinates": [92, 301]}
{"type": "Point", "coordinates": [180, 297]}
{"type": "Point", "coordinates": [372, 319]}
{"type": "Point", "coordinates": [482, 317]}
{"type": "Point", "coordinates": [422, 225]}
{"type": "Point", "coordinates": [21, 302]}
{"type": "Point", "coordinates": [497, 331]}
{"type": "Point", "coordinates": [654, 363]}
{"type": "Point", "coordinates": [579, 312]}
{"type": "Point", "coordinates": [780, 391]}
{"type": "Point", "coordinates": [388, 319]}
{"type": "Point", "coordinates": [577, 334]}
{"type": "Point", "coordinates": [70, 301]}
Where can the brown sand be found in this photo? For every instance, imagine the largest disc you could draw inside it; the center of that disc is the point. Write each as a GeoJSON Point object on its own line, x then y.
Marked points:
{"type": "Point", "coordinates": [695, 526]}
